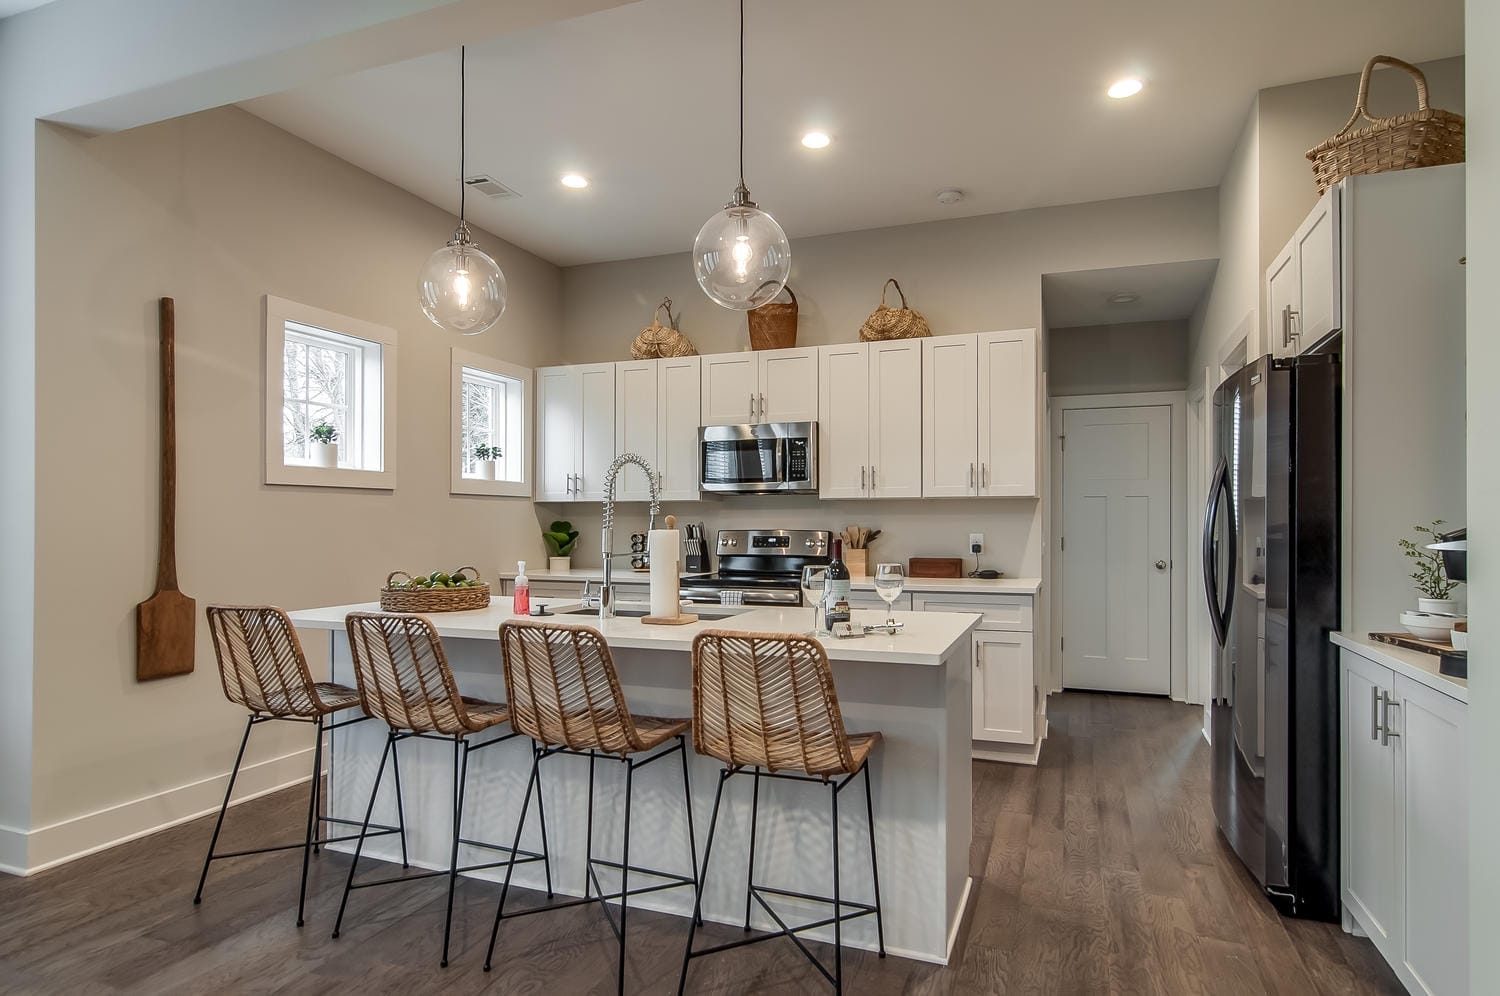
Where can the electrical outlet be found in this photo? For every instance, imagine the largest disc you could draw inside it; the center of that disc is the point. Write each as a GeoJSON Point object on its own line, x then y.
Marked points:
{"type": "Point", "coordinates": [976, 542]}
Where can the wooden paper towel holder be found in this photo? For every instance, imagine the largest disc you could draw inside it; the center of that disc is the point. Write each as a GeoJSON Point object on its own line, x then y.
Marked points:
{"type": "Point", "coordinates": [682, 618]}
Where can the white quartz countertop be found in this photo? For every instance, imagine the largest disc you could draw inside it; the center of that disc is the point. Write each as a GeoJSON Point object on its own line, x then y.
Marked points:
{"type": "Point", "coordinates": [970, 586]}
{"type": "Point", "coordinates": [928, 637]}
{"type": "Point", "coordinates": [1412, 663]}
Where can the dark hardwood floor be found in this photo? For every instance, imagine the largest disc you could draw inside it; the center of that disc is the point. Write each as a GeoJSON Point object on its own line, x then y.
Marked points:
{"type": "Point", "coordinates": [1099, 871]}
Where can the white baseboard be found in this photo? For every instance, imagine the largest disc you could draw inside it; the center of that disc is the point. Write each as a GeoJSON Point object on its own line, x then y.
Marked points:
{"type": "Point", "coordinates": [25, 853]}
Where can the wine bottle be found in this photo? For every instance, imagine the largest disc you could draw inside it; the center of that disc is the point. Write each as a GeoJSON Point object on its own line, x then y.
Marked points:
{"type": "Point", "coordinates": [836, 588]}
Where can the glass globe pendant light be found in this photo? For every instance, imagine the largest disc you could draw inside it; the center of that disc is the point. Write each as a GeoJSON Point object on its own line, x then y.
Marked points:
{"type": "Point", "coordinates": [741, 256]}
{"type": "Point", "coordinates": [462, 289]}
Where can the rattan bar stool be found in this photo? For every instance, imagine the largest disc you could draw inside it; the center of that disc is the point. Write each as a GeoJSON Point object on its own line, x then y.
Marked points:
{"type": "Point", "coordinates": [763, 701]}
{"type": "Point", "coordinates": [565, 694]}
{"type": "Point", "coordinates": [263, 668]}
{"type": "Point", "coordinates": [404, 679]}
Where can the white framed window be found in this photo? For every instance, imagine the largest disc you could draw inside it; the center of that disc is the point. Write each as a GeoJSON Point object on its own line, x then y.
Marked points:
{"type": "Point", "coordinates": [328, 370]}
{"type": "Point", "coordinates": [491, 408]}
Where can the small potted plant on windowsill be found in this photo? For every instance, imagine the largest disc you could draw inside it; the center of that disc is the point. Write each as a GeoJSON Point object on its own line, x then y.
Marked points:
{"type": "Point", "coordinates": [325, 445]}
{"type": "Point", "coordinates": [486, 459]}
{"type": "Point", "coordinates": [560, 538]}
{"type": "Point", "coordinates": [1429, 578]}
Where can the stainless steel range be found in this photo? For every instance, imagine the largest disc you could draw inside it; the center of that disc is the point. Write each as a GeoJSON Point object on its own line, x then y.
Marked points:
{"type": "Point", "coordinates": [765, 564]}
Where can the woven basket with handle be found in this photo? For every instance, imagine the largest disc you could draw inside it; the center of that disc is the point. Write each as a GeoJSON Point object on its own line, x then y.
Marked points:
{"type": "Point", "coordinates": [433, 599]}
{"type": "Point", "coordinates": [1425, 137]}
{"type": "Point", "coordinates": [657, 339]}
{"type": "Point", "coordinates": [894, 323]}
{"type": "Point", "coordinates": [774, 325]}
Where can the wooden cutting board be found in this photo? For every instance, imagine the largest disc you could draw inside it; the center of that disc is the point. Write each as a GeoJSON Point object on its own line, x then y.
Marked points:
{"type": "Point", "coordinates": [164, 622]}
{"type": "Point", "coordinates": [935, 567]}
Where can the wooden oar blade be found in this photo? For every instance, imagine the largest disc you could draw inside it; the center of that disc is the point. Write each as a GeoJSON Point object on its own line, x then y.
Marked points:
{"type": "Point", "coordinates": [164, 635]}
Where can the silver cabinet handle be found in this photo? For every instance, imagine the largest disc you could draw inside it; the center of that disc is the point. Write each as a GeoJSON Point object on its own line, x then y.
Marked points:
{"type": "Point", "coordinates": [578, 485]}
{"type": "Point", "coordinates": [1375, 696]}
{"type": "Point", "coordinates": [752, 406]}
{"type": "Point", "coordinates": [1386, 733]}
{"type": "Point", "coordinates": [861, 478]}
{"type": "Point", "coordinates": [872, 477]}
{"type": "Point", "coordinates": [971, 475]}
{"type": "Point", "coordinates": [570, 484]}
{"type": "Point", "coordinates": [762, 406]}
{"type": "Point", "coordinates": [1289, 315]}
{"type": "Point", "coordinates": [984, 475]}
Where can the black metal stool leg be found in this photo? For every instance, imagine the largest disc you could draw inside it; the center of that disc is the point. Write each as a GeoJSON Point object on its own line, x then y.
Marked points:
{"type": "Point", "coordinates": [510, 866]}
{"type": "Point", "coordinates": [750, 873]}
{"type": "Point", "coordinates": [874, 864]}
{"type": "Point", "coordinates": [687, 798]}
{"type": "Point", "coordinates": [460, 776]}
{"type": "Point", "coordinates": [588, 846]}
{"type": "Point", "coordinates": [390, 739]}
{"type": "Point", "coordinates": [400, 806]}
{"type": "Point", "coordinates": [625, 874]}
{"type": "Point", "coordinates": [312, 819]}
{"type": "Point", "coordinates": [838, 934]}
{"type": "Point", "coordinates": [708, 850]}
{"type": "Point", "coordinates": [214, 840]}
{"type": "Point", "coordinates": [317, 800]}
{"type": "Point", "coordinates": [541, 812]}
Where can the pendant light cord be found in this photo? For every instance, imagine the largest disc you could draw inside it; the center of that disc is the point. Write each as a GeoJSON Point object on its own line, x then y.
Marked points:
{"type": "Point", "coordinates": [742, 93]}
{"type": "Point", "coordinates": [463, 128]}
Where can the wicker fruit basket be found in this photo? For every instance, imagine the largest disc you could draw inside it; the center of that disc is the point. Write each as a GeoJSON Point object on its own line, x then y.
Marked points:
{"type": "Point", "coordinates": [394, 597]}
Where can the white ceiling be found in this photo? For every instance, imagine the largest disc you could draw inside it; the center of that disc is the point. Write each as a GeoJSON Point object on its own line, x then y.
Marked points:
{"type": "Point", "coordinates": [1166, 291]}
{"type": "Point", "coordinates": [1003, 100]}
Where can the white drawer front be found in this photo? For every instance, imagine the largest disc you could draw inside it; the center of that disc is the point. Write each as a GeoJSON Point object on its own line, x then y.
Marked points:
{"type": "Point", "coordinates": [1000, 612]}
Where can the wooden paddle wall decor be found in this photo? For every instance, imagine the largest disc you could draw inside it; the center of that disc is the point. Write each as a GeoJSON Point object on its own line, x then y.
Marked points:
{"type": "Point", "coordinates": [165, 621]}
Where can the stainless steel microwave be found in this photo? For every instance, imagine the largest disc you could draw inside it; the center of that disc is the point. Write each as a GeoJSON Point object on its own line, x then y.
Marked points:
{"type": "Point", "coordinates": [753, 459]}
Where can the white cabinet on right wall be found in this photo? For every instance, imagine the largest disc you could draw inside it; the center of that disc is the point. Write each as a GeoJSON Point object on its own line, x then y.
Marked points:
{"type": "Point", "coordinates": [981, 415]}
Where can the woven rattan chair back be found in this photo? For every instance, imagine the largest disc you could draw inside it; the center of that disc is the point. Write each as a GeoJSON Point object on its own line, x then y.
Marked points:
{"type": "Point", "coordinates": [403, 674]}
{"type": "Point", "coordinates": [563, 689]}
{"type": "Point", "coordinates": [261, 662]}
{"type": "Point", "coordinates": [767, 700]}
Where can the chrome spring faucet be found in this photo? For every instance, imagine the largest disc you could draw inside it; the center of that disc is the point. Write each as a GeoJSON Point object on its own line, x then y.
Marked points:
{"type": "Point", "coordinates": [607, 589]}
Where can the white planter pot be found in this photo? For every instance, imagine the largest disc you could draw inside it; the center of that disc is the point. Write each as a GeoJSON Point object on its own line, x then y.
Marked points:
{"type": "Point", "coordinates": [325, 454]}
{"type": "Point", "coordinates": [1441, 605]}
{"type": "Point", "coordinates": [486, 469]}
{"type": "Point", "coordinates": [559, 565]}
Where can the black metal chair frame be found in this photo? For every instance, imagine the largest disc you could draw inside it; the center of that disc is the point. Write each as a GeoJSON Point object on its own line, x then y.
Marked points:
{"type": "Point", "coordinates": [462, 748]}
{"type": "Point", "coordinates": [312, 842]}
{"type": "Point", "coordinates": [758, 893]}
{"type": "Point", "coordinates": [623, 866]}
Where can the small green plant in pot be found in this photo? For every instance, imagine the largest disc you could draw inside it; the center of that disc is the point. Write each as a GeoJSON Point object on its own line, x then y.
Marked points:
{"type": "Point", "coordinates": [486, 460]}
{"type": "Point", "coordinates": [560, 538]}
{"type": "Point", "coordinates": [1433, 585]}
{"type": "Point", "coordinates": [325, 445]}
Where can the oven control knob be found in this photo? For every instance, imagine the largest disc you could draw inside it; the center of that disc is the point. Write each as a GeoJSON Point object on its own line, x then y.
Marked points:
{"type": "Point", "coordinates": [809, 542]}
{"type": "Point", "coordinates": [731, 542]}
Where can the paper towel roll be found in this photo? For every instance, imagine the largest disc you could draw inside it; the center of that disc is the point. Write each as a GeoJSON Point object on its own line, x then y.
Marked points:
{"type": "Point", "coordinates": [663, 545]}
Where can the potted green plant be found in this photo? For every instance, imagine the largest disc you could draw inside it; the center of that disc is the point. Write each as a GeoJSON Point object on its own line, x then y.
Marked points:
{"type": "Point", "coordinates": [486, 459]}
{"type": "Point", "coordinates": [325, 445]}
{"type": "Point", "coordinates": [1428, 576]}
{"type": "Point", "coordinates": [560, 538]}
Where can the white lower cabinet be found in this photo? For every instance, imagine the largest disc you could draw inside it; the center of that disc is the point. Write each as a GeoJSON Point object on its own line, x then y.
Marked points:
{"type": "Point", "coordinates": [1405, 823]}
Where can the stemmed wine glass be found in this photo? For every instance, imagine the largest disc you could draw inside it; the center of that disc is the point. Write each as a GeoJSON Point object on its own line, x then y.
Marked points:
{"type": "Point", "coordinates": [890, 581]}
{"type": "Point", "coordinates": [814, 580]}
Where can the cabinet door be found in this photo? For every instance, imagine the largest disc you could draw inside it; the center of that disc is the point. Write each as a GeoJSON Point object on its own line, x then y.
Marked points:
{"type": "Point", "coordinates": [788, 389]}
{"type": "Point", "coordinates": [731, 388]}
{"type": "Point", "coordinates": [1319, 272]}
{"type": "Point", "coordinates": [1008, 437]}
{"type": "Point", "coordinates": [1371, 880]}
{"type": "Point", "coordinates": [557, 432]}
{"type": "Point", "coordinates": [1432, 796]}
{"type": "Point", "coordinates": [896, 419]}
{"type": "Point", "coordinates": [635, 424]}
{"type": "Point", "coordinates": [596, 445]}
{"type": "Point", "coordinates": [1283, 302]}
{"type": "Point", "coordinates": [677, 406]}
{"type": "Point", "coordinates": [843, 421]}
{"type": "Point", "coordinates": [1004, 706]}
{"type": "Point", "coordinates": [950, 416]}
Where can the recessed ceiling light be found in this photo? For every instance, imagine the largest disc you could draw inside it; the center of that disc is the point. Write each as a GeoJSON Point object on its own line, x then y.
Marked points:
{"type": "Point", "coordinates": [950, 195]}
{"type": "Point", "coordinates": [1124, 297]}
{"type": "Point", "coordinates": [1120, 89]}
{"type": "Point", "coordinates": [816, 140]}
{"type": "Point", "coordinates": [575, 180]}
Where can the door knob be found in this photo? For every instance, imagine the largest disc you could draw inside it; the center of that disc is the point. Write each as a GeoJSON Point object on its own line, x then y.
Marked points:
{"type": "Point", "coordinates": [1161, 565]}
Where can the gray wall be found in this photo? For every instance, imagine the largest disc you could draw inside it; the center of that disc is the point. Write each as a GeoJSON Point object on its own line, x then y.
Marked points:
{"type": "Point", "coordinates": [1118, 359]}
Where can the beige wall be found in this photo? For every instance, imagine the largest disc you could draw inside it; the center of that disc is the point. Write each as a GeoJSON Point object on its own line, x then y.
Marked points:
{"type": "Point", "coordinates": [1231, 301]}
{"type": "Point", "coordinates": [216, 210]}
{"type": "Point", "coordinates": [1118, 359]}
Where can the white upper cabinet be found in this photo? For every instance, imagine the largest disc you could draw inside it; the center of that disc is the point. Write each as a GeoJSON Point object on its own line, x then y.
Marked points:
{"type": "Point", "coordinates": [636, 424]}
{"type": "Point", "coordinates": [1282, 303]}
{"type": "Point", "coordinates": [597, 444]}
{"type": "Point", "coordinates": [677, 405]}
{"type": "Point", "coordinates": [980, 415]}
{"type": "Point", "coordinates": [843, 421]}
{"type": "Point", "coordinates": [576, 429]}
{"type": "Point", "coordinates": [1304, 289]}
{"type": "Point", "coordinates": [896, 419]}
{"type": "Point", "coordinates": [776, 385]}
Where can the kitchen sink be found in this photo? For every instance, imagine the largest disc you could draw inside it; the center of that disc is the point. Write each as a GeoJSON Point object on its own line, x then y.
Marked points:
{"type": "Point", "coordinates": [625, 613]}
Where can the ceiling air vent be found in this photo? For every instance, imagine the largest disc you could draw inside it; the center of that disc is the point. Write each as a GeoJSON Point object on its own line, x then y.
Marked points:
{"type": "Point", "coordinates": [487, 185]}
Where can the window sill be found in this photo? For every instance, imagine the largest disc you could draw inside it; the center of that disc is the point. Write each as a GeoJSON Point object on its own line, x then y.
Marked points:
{"type": "Point", "coordinates": [493, 489]}
{"type": "Point", "coordinates": [331, 477]}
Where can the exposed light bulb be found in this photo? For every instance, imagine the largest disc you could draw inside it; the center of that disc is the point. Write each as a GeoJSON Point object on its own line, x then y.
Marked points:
{"type": "Point", "coordinates": [742, 253]}
{"type": "Point", "coordinates": [461, 287]}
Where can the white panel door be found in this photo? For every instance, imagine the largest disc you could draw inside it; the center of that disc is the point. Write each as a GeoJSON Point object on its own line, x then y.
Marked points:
{"type": "Point", "coordinates": [731, 387]}
{"type": "Point", "coordinates": [1008, 450]}
{"type": "Point", "coordinates": [1283, 302]}
{"type": "Point", "coordinates": [1117, 615]}
{"type": "Point", "coordinates": [950, 416]}
{"type": "Point", "coordinates": [896, 419]}
{"type": "Point", "coordinates": [596, 446]}
{"type": "Point", "coordinates": [844, 421]}
{"type": "Point", "coordinates": [1371, 849]}
{"type": "Point", "coordinates": [635, 423]}
{"type": "Point", "coordinates": [1318, 272]}
{"type": "Point", "coordinates": [1004, 703]}
{"type": "Point", "coordinates": [788, 389]}
{"type": "Point", "coordinates": [678, 389]}
{"type": "Point", "coordinates": [557, 432]}
{"type": "Point", "coordinates": [1432, 796]}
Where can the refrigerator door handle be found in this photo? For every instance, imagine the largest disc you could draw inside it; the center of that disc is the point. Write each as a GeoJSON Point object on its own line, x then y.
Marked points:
{"type": "Point", "coordinates": [1218, 616]}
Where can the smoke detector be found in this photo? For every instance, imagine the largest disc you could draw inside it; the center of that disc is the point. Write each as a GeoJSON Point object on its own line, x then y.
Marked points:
{"type": "Point", "coordinates": [483, 183]}
{"type": "Point", "coordinates": [950, 195]}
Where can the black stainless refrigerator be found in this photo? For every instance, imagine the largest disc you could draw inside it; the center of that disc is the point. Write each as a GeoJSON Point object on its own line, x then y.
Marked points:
{"type": "Point", "coordinates": [1271, 574]}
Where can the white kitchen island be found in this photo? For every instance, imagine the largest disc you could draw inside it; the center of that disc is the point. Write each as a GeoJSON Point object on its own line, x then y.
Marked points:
{"type": "Point", "coordinates": [914, 687]}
